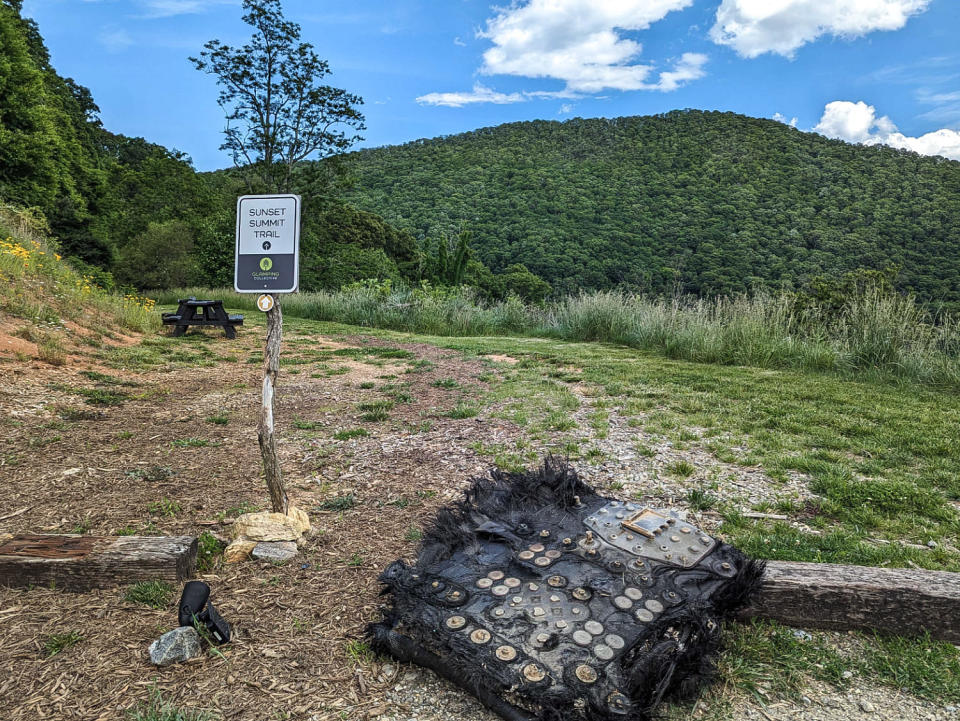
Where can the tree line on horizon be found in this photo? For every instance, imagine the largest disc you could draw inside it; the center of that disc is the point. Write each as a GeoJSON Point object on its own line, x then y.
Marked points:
{"type": "Point", "coordinates": [702, 203]}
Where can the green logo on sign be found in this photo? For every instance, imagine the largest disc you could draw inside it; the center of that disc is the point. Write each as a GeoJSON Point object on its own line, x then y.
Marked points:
{"type": "Point", "coordinates": [266, 264]}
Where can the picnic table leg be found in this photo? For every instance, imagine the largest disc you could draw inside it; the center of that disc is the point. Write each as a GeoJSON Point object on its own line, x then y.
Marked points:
{"type": "Point", "coordinates": [230, 331]}
{"type": "Point", "coordinates": [179, 330]}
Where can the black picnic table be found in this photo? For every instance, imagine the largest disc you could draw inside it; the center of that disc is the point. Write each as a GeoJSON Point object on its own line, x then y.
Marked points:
{"type": "Point", "coordinates": [202, 312]}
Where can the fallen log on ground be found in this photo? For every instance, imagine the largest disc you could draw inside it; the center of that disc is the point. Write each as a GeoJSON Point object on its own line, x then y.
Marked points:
{"type": "Point", "coordinates": [893, 600]}
{"type": "Point", "coordinates": [81, 563]}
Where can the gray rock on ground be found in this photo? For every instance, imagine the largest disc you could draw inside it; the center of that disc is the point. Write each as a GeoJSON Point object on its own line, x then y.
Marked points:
{"type": "Point", "coordinates": [180, 644]}
{"type": "Point", "coordinates": [274, 551]}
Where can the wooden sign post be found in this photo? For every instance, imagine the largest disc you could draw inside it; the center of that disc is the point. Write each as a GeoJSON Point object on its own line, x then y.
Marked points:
{"type": "Point", "coordinates": [267, 261]}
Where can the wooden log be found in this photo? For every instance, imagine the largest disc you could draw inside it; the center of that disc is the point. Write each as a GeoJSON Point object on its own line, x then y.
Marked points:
{"type": "Point", "coordinates": [80, 563]}
{"type": "Point", "coordinates": [265, 428]}
{"type": "Point", "coordinates": [893, 600]}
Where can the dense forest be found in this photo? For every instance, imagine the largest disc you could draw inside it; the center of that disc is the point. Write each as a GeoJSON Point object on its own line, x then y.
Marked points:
{"type": "Point", "coordinates": [706, 202]}
{"type": "Point", "coordinates": [701, 202]}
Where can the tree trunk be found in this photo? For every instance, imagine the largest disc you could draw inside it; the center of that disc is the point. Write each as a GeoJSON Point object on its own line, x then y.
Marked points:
{"type": "Point", "coordinates": [265, 429]}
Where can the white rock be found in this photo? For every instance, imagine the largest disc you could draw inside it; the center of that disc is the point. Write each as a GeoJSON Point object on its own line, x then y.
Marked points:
{"type": "Point", "coordinates": [274, 551]}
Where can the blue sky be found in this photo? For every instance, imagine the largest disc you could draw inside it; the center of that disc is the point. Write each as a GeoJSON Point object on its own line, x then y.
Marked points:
{"type": "Point", "coordinates": [870, 71]}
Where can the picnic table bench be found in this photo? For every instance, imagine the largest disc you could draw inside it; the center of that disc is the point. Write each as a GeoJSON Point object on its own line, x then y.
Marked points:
{"type": "Point", "coordinates": [202, 312]}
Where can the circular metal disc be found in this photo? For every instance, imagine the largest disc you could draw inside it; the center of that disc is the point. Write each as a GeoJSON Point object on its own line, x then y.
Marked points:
{"type": "Point", "coordinates": [500, 590]}
{"type": "Point", "coordinates": [614, 641]}
{"type": "Point", "coordinates": [506, 653]}
{"type": "Point", "coordinates": [603, 652]}
{"type": "Point", "coordinates": [496, 575]}
{"type": "Point", "coordinates": [542, 561]}
{"type": "Point", "coordinates": [557, 581]}
{"type": "Point", "coordinates": [644, 615]}
{"type": "Point", "coordinates": [562, 624]}
{"type": "Point", "coordinates": [456, 622]}
{"type": "Point", "coordinates": [587, 674]}
{"type": "Point", "coordinates": [511, 582]}
{"type": "Point", "coordinates": [533, 673]}
{"type": "Point", "coordinates": [581, 594]}
{"type": "Point", "coordinates": [479, 636]}
{"type": "Point", "coordinates": [484, 582]}
{"type": "Point", "coordinates": [594, 627]}
{"type": "Point", "coordinates": [553, 554]}
{"type": "Point", "coordinates": [622, 602]}
{"type": "Point", "coordinates": [537, 547]}
{"type": "Point", "coordinates": [525, 555]}
{"type": "Point", "coordinates": [543, 637]}
{"type": "Point", "coordinates": [533, 586]}
{"type": "Point", "coordinates": [654, 605]}
{"type": "Point", "coordinates": [582, 637]}
{"type": "Point", "coordinates": [634, 594]}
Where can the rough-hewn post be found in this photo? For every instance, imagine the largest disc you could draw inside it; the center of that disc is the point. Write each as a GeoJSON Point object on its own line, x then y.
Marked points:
{"type": "Point", "coordinates": [265, 429]}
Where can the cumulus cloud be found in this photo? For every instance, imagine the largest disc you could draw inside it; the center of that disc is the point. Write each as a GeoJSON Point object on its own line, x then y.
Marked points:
{"type": "Point", "coordinates": [579, 42]}
{"type": "Point", "coordinates": [754, 27]}
{"type": "Point", "coordinates": [479, 94]}
{"type": "Point", "coordinates": [859, 123]}
{"type": "Point", "coordinates": [781, 118]}
{"type": "Point", "coordinates": [170, 8]}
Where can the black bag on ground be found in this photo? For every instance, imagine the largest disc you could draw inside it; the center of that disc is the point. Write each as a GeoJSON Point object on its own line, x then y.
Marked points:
{"type": "Point", "coordinates": [548, 601]}
{"type": "Point", "coordinates": [194, 604]}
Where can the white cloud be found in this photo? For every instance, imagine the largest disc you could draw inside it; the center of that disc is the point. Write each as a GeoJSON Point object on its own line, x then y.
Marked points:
{"type": "Point", "coordinates": [115, 40]}
{"type": "Point", "coordinates": [479, 94]}
{"type": "Point", "coordinates": [754, 27]}
{"type": "Point", "coordinates": [458, 41]}
{"type": "Point", "coordinates": [565, 108]}
{"type": "Point", "coordinates": [781, 118]}
{"type": "Point", "coordinates": [579, 42]}
{"type": "Point", "coordinates": [858, 123]}
{"type": "Point", "coordinates": [170, 8]}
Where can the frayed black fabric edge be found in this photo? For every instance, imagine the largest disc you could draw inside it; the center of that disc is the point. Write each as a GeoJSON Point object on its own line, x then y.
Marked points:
{"type": "Point", "coordinates": [667, 673]}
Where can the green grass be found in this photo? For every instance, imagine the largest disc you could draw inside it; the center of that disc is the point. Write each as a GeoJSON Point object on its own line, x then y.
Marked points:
{"type": "Point", "coordinates": [347, 434]}
{"type": "Point", "coordinates": [209, 548]}
{"type": "Point", "coordinates": [57, 642]}
{"type": "Point", "coordinates": [340, 503]}
{"type": "Point", "coordinates": [681, 469]}
{"type": "Point", "coordinates": [305, 425]}
{"type": "Point", "coordinates": [159, 709]}
{"type": "Point", "coordinates": [95, 396]}
{"type": "Point", "coordinates": [462, 410]}
{"type": "Point", "coordinates": [220, 419]}
{"type": "Point", "coordinates": [155, 594]}
{"type": "Point", "coordinates": [375, 411]}
{"type": "Point", "coordinates": [189, 443]}
{"type": "Point", "coordinates": [164, 507]}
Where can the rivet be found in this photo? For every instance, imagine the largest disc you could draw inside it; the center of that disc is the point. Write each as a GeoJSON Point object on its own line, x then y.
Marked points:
{"type": "Point", "coordinates": [654, 605]}
{"type": "Point", "coordinates": [480, 636]}
{"type": "Point", "coordinates": [725, 566]}
{"type": "Point", "coordinates": [542, 561]}
{"type": "Point", "coordinates": [498, 612]}
{"type": "Point", "coordinates": [684, 530]}
{"type": "Point", "coordinates": [683, 559]}
{"type": "Point", "coordinates": [506, 653]}
{"type": "Point", "coordinates": [533, 587]}
{"type": "Point", "coordinates": [589, 536]}
{"type": "Point", "coordinates": [567, 541]}
{"type": "Point", "coordinates": [639, 563]}
{"type": "Point", "coordinates": [537, 547]}
{"type": "Point", "coordinates": [621, 514]}
{"type": "Point", "coordinates": [496, 575]}
{"type": "Point", "coordinates": [456, 622]}
{"type": "Point", "coordinates": [594, 627]}
{"type": "Point", "coordinates": [618, 701]}
{"type": "Point", "coordinates": [675, 538]}
{"type": "Point", "coordinates": [511, 582]}
{"type": "Point", "coordinates": [435, 584]}
{"type": "Point", "coordinates": [694, 549]}
{"type": "Point", "coordinates": [629, 536]}
{"type": "Point", "coordinates": [614, 641]}
{"type": "Point", "coordinates": [581, 594]}
{"type": "Point", "coordinates": [553, 554]}
{"type": "Point", "coordinates": [592, 552]}
{"type": "Point", "coordinates": [539, 611]}
{"type": "Point", "coordinates": [586, 673]}
{"type": "Point", "coordinates": [554, 598]}
{"type": "Point", "coordinates": [616, 565]}
{"type": "Point", "coordinates": [602, 510]}
{"type": "Point", "coordinates": [582, 638]}
{"type": "Point", "coordinates": [557, 581]}
{"type": "Point", "coordinates": [517, 599]}
{"type": "Point", "coordinates": [644, 615]}
{"type": "Point", "coordinates": [644, 578]}
{"type": "Point", "coordinates": [664, 548]}
{"type": "Point", "coordinates": [500, 590]}
{"type": "Point", "coordinates": [603, 652]}
{"type": "Point", "coordinates": [484, 582]}
{"type": "Point", "coordinates": [705, 540]}
{"type": "Point", "coordinates": [634, 594]}
{"type": "Point", "coordinates": [671, 594]}
{"type": "Point", "coordinates": [575, 611]}
{"type": "Point", "coordinates": [668, 556]}
{"type": "Point", "coordinates": [622, 602]}
{"type": "Point", "coordinates": [525, 555]}
{"type": "Point", "coordinates": [543, 637]}
{"type": "Point", "coordinates": [534, 673]}
{"type": "Point", "coordinates": [562, 624]}
{"type": "Point", "coordinates": [544, 533]}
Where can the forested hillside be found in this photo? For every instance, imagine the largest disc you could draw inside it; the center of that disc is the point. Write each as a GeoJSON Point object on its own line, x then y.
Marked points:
{"type": "Point", "coordinates": [712, 202]}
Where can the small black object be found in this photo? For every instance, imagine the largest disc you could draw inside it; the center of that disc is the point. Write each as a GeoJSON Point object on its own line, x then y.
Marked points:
{"type": "Point", "coordinates": [266, 245]}
{"type": "Point", "coordinates": [194, 604]}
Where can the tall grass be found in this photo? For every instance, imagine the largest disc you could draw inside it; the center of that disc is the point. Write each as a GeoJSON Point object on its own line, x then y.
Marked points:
{"type": "Point", "coordinates": [875, 333]}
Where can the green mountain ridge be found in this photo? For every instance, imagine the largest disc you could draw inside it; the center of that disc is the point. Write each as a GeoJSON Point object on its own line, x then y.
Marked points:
{"type": "Point", "coordinates": [703, 201]}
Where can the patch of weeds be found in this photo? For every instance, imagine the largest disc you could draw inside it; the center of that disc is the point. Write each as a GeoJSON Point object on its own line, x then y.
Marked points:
{"type": "Point", "coordinates": [235, 511]}
{"type": "Point", "coordinates": [340, 503]}
{"type": "Point", "coordinates": [105, 379]}
{"type": "Point", "coordinates": [305, 425]}
{"type": "Point", "coordinates": [594, 454]}
{"type": "Point", "coordinates": [924, 667]}
{"type": "Point", "coordinates": [445, 383]}
{"type": "Point", "coordinates": [413, 534]}
{"type": "Point", "coordinates": [221, 419]}
{"type": "Point", "coordinates": [347, 434]}
{"type": "Point", "coordinates": [97, 396]}
{"type": "Point", "coordinates": [124, 435]}
{"type": "Point", "coordinates": [34, 441]}
{"type": "Point", "coordinates": [681, 469]}
{"type": "Point", "coordinates": [360, 652]}
{"type": "Point", "coordinates": [355, 560]}
{"type": "Point", "coordinates": [155, 594]}
{"type": "Point", "coordinates": [57, 642]}
{"type": "Point", "coordinates": [375, 411]}
{"type": "Point", "coordinates": [209, 548]}
{"type": "Point", "coordinates": [152, 474]}
{"type": "Point", "coordinates": [700, 500]}
{"type": "Point", "coordinates": [158, 709]}
{"type": "Point", "coordinates": [367, 385]}
{"type": "Point", "coordinates": [615, 485]}
{"type": "Point", "coordinates": [645, 450]}
{"type": "Point", "coordinates": [164, 507]}
{"type": "Point", "coordinates": [462, 410]}
{"type": "Point", "coordinates": [50, 350]}
{"type": "Point", "coordinates": [420, 366]}
{"type": "Point", "coordinates": [82, 526]}
{"type": "Point", "coordinates": [189, 443]}
{"type": "Point", "coordinates": [125, 531]}
{"type": "Point", "coordinates": [426, 494]}
{"type": "Point", "coordinates": [558, 420]}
